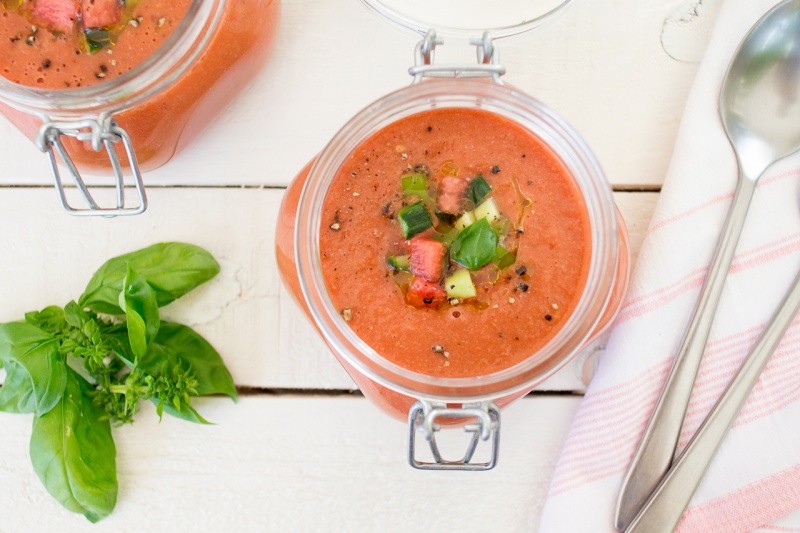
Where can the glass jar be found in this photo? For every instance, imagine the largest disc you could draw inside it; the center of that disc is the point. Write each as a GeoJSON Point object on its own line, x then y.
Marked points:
{"type": "Point", "coordinates": [155, 109]}
{"type": "Point", "coordinates": [425, 401]}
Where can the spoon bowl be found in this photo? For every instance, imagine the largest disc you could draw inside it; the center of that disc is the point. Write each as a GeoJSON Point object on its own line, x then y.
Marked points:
{"type": "Point", "coordinates": [759, 105]}
{"type": "Point", "coordinates": [760, 98]}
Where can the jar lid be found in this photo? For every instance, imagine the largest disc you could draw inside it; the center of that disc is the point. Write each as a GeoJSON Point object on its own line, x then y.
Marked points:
{"type": "Point", "coordinates": [469, 18]}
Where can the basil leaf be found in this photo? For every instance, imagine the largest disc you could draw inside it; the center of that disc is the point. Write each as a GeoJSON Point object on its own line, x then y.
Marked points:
{"type": "Point", "coordinates": [75, 316]}
{"type": "Point", "coordinates": [475, 245]}
{"type": "Point", "coordinates": [16, 394]}
{"type": "Point", "coordinates": [73, 453]}
{"type": "Point", "coordinates": [141, 311]}
{"type": "Point", "coordinates": [51, 319]}
{"type": "Point", "coordinates": [35, 353]}
{"type": "Point", "coordinates": [172, 269]}
{"type": "Point", "coordinates": [176, 343]}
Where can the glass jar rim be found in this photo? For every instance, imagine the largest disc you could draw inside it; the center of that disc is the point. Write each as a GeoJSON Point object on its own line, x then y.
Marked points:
{"type": "Point", "coordinates": [565, 143]}
{"type": "Point", "coordinates": [157, 71]}
{"type": "Point", "coordinates": [455, 18]}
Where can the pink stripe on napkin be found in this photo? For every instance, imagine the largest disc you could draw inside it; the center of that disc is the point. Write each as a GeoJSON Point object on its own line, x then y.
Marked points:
{"type": "Point", "coordinates": [755, 478]}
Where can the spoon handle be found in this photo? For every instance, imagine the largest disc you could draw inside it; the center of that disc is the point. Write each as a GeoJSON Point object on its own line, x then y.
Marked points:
{"type": "Point", "coordinates": [657, 447]}
{"type": "Point", "coordinates": [666, 505]}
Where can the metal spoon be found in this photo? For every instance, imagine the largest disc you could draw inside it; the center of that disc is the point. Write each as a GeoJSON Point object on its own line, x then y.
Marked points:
{"type": "Point", "coordinates": [663, 510]}
{"type": "Point", "coordinates": [760, 110]}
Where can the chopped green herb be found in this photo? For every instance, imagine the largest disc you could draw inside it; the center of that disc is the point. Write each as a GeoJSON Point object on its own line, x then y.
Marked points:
{"type": "Point", "coordinates": [414, 219]}
{"type": "Point", "coordinates": [475, 246]}
{"type": "Point", "coordinates": [478, 190]}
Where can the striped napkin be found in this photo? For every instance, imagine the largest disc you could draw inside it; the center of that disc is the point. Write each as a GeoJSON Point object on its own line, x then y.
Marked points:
{"type": "Point", "coordinates": [755, 478]}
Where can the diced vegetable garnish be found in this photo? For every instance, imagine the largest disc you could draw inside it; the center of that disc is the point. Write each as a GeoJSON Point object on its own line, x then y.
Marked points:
{"type": "Point", "coordinates": [460, 285]}
{"type": "Point", "coordinates": [399, 262]}
{"type": "Point", "coordinates": [414, 184]}
{"type": "Point", "coordinates": [452, 194]}
{"type": "Point", "coordinates": [475, 246]}
{"type": "Point", "coordinates": [97, 38]}
{"type": "Point", "coordinates": [100, 13]}
{"type": "Point", "coordinates": [503, 258]}
{"type": "Point", "coordinates": [424, 293]}
{"type": "Point", "coordinates": [459, 225]}
{"type": "Point", "coordinates": [414, 219]}
{"type": "Point", "coordinates": [502, 227]}
{"type": "Point", "coordinates": [478, 190]}
{"type": "Point", "coordinates": [469, 229]}
{"type": "Point", "coordinates": [488, 210]}
{"type": "Point", "coordinates": [464, 221]}
{"type": "Point", "coordinates": [427, 257]}
{"type": "Point", "coordinates": [58, 15]}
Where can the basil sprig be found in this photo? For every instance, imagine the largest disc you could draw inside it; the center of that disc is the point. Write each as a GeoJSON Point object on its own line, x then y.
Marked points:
{"type": "Point", "coordinates": [79, 372]}
{"type": "Point", "coordinates": [172, 269]}
{"type": "Point", "coordinates": [474, 246]}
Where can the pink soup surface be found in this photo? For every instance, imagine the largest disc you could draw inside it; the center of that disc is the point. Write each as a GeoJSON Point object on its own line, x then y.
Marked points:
{"type": "Point", "coordinates": [519, 308]}
{"type": "Point", "coordinates": [37, 51]}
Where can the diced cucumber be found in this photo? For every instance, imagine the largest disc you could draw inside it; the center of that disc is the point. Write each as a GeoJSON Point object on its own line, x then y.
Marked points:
{"type": "Point", "coordinates": [460, 285]}
{"type": "Point", "coordinates": [414, 219]}
{"type": "Point", "coordinates": [478, 190]}
{"type": "Point", "coordinates": [488, 210]}
{"type": "Point", "coordinates": [399, 262]}
{"type": "Point", "coordinates": [414, 184]}
{"type": "Point", "coordinates": [464, 221]}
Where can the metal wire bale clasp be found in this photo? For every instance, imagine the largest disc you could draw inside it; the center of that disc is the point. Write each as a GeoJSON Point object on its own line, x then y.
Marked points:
{"type": "Point", "coordinates": [102, 133]}
{"type": "Point", "coordinates": [422, 418]}
{"type": "Point", "coordinates": [488, 64]}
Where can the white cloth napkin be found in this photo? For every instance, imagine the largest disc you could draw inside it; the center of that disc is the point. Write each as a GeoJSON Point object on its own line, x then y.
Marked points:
{"type": "Point", "coordinates": [755, 478]}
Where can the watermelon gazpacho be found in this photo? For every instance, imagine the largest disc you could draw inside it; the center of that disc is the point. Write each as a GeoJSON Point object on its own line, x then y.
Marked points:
{"type": "Point", "coordinates": [62, 44]}
{"type": "Point", "coordinates": [68, 45]}
{"type": "Point", "coordinates": [454, 243]}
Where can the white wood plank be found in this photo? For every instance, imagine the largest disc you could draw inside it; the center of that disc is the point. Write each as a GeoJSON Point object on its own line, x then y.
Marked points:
{"type": "Point", "coordinates": [292, 463]}
{"type": "Point", "coordinates": [637, 210]}
{"type": "Point", "coordinates": [603, 65]}
{"type": "Point", "coordinates": [245, 313]}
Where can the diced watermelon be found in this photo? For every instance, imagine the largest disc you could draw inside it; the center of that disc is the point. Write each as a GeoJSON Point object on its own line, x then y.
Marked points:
{"type": "Point", "coordinates": [58, 15]}
{"type": "Point", "coordinates": [424, 293]}
{"type": "Point", "coordinates": [452, 194]}
{"type": "Point", "coordinates": [427, 257]}
{"type": "Point", "coordinates": [101, 13]}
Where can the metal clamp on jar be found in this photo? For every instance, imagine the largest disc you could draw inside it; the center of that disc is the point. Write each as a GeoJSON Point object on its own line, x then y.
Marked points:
{"type": "Point", "coordinates": [102, 133]}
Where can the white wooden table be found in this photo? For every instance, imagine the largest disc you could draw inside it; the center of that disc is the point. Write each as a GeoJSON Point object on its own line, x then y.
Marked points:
{"type": "Point", "coordinates": [302, 451]}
